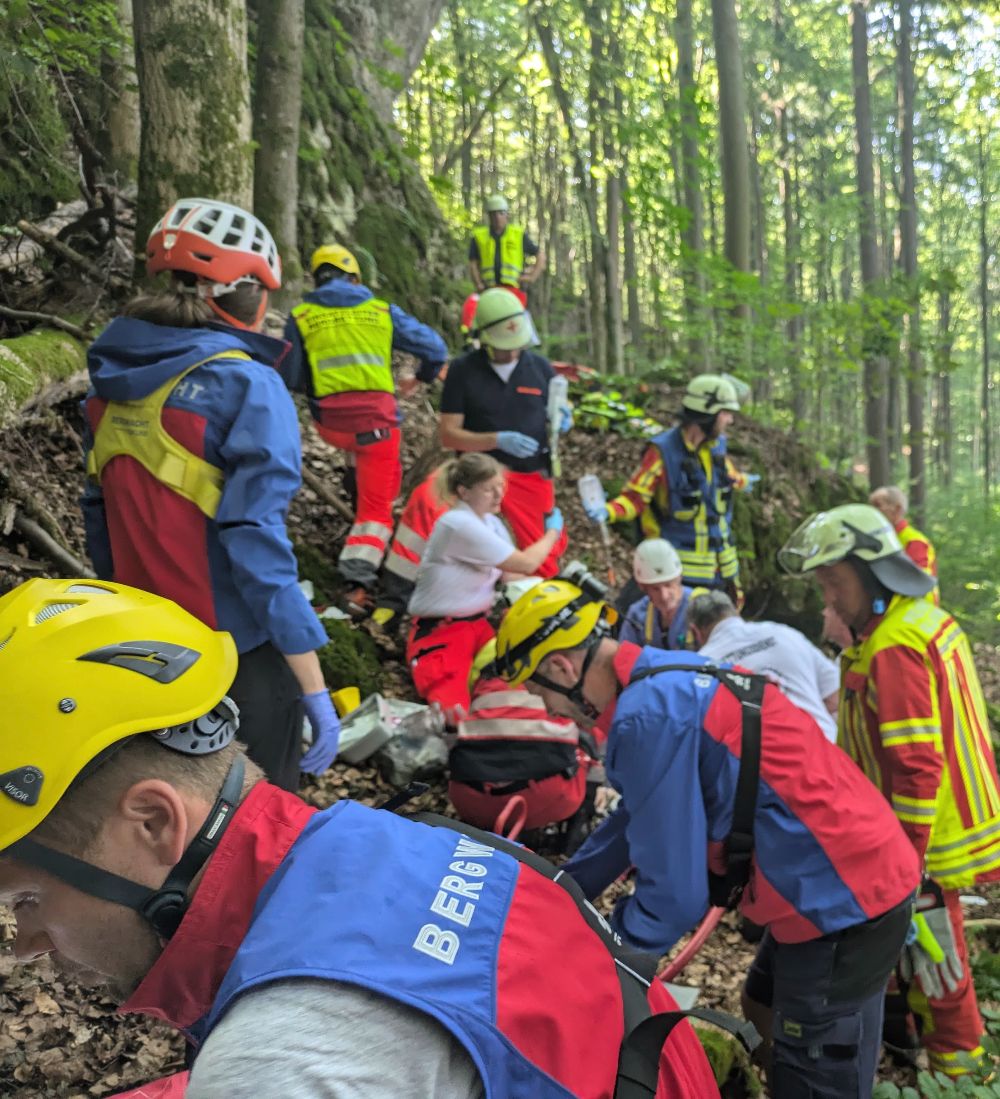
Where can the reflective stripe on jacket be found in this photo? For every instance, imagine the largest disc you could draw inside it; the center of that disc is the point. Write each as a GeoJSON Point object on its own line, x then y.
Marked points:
{"type": "Point", "coordinates": [697, 522]}
{"type": "Point", "coordinates": [349, 348]}
{"type": "Point", "coordinates": [912, 715]}
{"type": "Point", "coordinates": [511, 254]}
{"type": "Point", "coordinates": [422, 511]}
{"type": "Point", "coordinates": [135, 428]}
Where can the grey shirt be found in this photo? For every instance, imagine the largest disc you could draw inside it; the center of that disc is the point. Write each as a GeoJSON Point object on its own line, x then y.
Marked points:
{"type": "Point", "coordinates": [311, 1039]}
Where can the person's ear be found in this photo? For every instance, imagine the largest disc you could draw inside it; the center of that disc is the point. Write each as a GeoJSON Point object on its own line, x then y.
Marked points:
{"type": "Point", "coordinates": [152, 822]}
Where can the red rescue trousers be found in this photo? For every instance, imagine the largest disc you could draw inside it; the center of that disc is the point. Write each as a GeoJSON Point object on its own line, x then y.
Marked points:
{"type": "Point", "coordinates": [549, 800]}
{"type": "Point", "coordinates": [529, 497]}
{"type": "Point", "coordinates": [379, 478]}
{"type": "Point", "coordinates": [951, 1024]}
{"type": "Point", "coordinates": [440, 653]}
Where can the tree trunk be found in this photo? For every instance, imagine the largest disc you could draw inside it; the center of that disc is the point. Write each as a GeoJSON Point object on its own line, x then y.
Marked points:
{"type": "Point", "coordinates": [278, 110]}
{"type": "Point", "coordinates": [915, 380]}
{"type": "Point", "coordinates": [984, 316]}
{"type": "Point", "coordinates": [610, 66]}
{"type": "Point", "coordinates": [733, 137]}
{"type": "Point", "coordinates": [793, 326]}
{"type": "Point", "coordinates": [875, 362]}
{"type": "Point", "coordinates": [693, 231]}
{"type": "Point", "coordinates": [119, 139]}
{"type": "Point", "coordinates": [194, 97]}
{"type": "Point", "coordinates": [946, 342]}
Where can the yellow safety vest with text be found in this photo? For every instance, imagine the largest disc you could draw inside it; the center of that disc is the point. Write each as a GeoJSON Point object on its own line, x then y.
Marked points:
{"type": "Point", "coordinates": [135, 428]}
{"type": "Point", "coordinates": [349, 347]}
{"type": "Point", "coordinates": [511, 254]}
{"type": "Point", "coordinates": [913, 717]}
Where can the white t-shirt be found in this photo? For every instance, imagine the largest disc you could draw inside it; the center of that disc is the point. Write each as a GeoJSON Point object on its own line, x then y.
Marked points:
{"type": "Point", "coordinates": [307, 1039]}
{"type": "Point", "coordinates": [803, 672]}
{"type": "Point", "coordinates": [459, 571]}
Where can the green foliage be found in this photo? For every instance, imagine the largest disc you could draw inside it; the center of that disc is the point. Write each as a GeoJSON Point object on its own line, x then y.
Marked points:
{"type": "Point", "coordinates": [351, 659]}
{"type": "Point", "coordinates": [730, 1063]}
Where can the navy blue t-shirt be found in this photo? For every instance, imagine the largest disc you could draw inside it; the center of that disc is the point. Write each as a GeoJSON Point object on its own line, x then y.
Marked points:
{"type": "Point", "coordinates": [474, 390]}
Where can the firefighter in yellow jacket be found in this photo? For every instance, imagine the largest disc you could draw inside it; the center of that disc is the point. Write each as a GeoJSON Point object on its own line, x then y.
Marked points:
{"type": "Point", "coordinates": [498, 252]}
{"type": "Point", "coordinates": [912, 715]}
{"type": "Point", "coordinates": [342, 340]}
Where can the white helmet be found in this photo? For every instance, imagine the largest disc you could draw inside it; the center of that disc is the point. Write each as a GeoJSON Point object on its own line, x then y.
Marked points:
{"type": "Point", "coordinates": [655, 561]}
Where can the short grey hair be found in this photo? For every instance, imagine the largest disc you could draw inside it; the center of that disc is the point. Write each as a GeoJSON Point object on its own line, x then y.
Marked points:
{"type": "Point", "coordinates": [893, 496]}
{"type": "Point", "coordinates": [707, 608]}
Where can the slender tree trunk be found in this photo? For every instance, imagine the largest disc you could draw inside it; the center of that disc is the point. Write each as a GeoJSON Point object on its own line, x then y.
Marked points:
{"type": "Point", "coordinates": [916, 382]}
{"type": "Point", "coordinates": [984, 316]}
{"type": "Point", "coordinates": [195, 130]}
{"type": "Point", "coordinates": [119, 140]}
{"type": "Point", "coordinates": [876, 365]}
{"type": "Point", "coordinates": [946, 342]}
{"type": "Point", "coordinates": [611, 65]}
{"type": "Point", "coordinates": [631, 265]}
{"type": "Point", "coordinates": [693, 232]}
{"type": "Point", "coordinates": [278, 110]}
{"type": "Point", "coordinates": [793, 326]}
{"type": "Point", "coordinates": [735, 156]}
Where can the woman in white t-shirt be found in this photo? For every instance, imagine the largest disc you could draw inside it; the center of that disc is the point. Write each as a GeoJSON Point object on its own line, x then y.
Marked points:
{"type": "Point", "coordinates": [468, 551]}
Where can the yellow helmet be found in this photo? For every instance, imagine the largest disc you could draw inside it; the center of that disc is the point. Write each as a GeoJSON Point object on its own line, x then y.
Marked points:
{"type": "Point", "coordinates": [334, 255]}
{"type": "Point", "coordinates": [85, 664]}
{"type": "Point", "coordinates": [554, 615]}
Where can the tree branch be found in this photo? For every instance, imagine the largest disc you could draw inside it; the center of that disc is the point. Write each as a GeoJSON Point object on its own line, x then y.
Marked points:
{"type": "Point", "coordinates": [43, 318]}
{"type": "Point", "coordinates": [71, 255]}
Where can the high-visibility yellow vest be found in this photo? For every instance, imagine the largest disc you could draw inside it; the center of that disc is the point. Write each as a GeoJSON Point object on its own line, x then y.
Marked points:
{"type": "Point", "coordinates": [511, 254]}
{"type": "Point", "coordinates": [908, 533]}
{"type": "Point", "coordinates": [940, 708]}
{"type": "Point", "coordinates": [135, 428]}
{"type": "Point", "coordinates": [349, 347]}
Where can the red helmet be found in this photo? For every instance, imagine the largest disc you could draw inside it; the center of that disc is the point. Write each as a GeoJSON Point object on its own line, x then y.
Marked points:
{"type": "Point", "coordinates": [215, 241]}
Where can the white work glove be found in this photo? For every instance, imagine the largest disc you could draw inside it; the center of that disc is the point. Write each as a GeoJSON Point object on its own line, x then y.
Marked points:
{"type": "Point", "coordinates": [931, 954]}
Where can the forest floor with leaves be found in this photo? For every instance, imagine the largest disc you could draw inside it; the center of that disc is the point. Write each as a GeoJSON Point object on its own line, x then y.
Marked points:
{"type": "Point", "coordinates": [59, 1038]}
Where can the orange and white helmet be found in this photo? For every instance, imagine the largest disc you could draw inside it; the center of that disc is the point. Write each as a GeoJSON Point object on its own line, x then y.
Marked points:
{"type": "Point", "coordinates": [216, 241]}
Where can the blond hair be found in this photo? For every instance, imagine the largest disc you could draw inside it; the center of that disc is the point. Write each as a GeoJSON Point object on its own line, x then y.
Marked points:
{"type": "Point", "coordinates": [466, 471]}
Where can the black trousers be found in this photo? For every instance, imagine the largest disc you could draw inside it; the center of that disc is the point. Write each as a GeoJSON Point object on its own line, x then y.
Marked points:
{"type": "Point", "coordinates": [271, 713]}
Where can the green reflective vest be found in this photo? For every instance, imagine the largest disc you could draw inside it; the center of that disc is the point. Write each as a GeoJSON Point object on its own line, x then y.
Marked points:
{"type": "Point", "coordinates": [136, 428]}
{"type": "Point", "coordinates": [511, 254]}
{"type": "Point", "coordinates": [349, 347]}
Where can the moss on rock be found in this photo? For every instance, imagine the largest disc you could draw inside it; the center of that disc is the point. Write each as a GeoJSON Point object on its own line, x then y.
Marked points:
{"type": "Point", "coordinates": [730, 1063]}
{"type": "Point", "coordinates": [31, 361]}
{"type": "Point", "coordinates": [351, 659]}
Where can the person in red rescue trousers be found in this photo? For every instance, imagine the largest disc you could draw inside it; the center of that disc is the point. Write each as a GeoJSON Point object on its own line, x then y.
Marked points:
{"type": "Point", "coordinates": [469, 551]}
{"type": "Point", "coordinates": [342, 340]}
{"type": "Point", "coordinates": [402, 563]}
{"type": "Point", "coordinates": [723, 779]}
{"type": "Point", "coordinates": [498, 251]}
{"type": "Point", "coordinates": [913, 717]}
{"type": "Point", "coordinates": [893, 504]}
{"type": "Point", "coordinates": [495, 400]}
{"type": "Point", "coordinates": [683, 488]}
{"type": "Point", "coordinates": [139, 843]}
{"type": "Point", "coordinates": [193, 457]}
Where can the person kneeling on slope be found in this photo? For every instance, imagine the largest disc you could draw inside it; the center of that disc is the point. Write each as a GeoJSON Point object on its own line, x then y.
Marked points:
{"type": "Point", "coordinates": [509, 746]}
{"type": "Point", "coordinates": [469, 551]}
{"type": "Point", "coordinates": [302, 953]}
{"type": "Point", "coordinates": [724, 781]}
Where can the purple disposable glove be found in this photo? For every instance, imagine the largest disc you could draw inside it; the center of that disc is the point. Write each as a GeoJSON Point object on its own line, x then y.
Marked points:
{"type": "Point", "coordinates": [326, 732]}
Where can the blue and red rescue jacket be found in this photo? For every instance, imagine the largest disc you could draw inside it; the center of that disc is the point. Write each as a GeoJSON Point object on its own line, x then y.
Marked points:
{"type": "Point", "coordinates": [236, 572]}
{"type": "Point", "coordinates": [829, 852]}
{"type": "Point", "coordinates": [464, 933]}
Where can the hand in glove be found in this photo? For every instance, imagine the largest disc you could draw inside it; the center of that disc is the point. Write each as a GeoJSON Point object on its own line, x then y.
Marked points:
{"type": "Point", "coordinates": [554, 520]}
{"type": "Point", "coordinates": [517, 443]}
{"type": "Point", "coordinates": [565, 419]}
{"type": "Point", "coordinates": [931, 954]}
{"type": "Point", "coordinates": [597, 513]}
{"type": "Point", "coordinates": [752, 479]}
{"type": "Point", "coordinates": [326, 732]}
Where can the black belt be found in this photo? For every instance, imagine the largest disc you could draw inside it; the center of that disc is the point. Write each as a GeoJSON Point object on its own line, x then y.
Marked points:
{"type": "Point", "coordinates": [426, 625]}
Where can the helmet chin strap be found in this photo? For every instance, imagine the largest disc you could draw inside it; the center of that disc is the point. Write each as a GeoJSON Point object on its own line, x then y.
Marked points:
{"type": "Point", "coordinates": [575, 693]}
{"type": "Point", "coordinates": [162, 908]}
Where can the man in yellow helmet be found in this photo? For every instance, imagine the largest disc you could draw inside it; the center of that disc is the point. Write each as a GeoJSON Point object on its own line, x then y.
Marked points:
{"type": "Point", "coordinates": [288, 944]}
{"type": "Point", "coordinates": [727, 795]}
{"type": "Point", "coordinates": [343, 338]}
{"type": "Point", "coordinates": [498, 249]}
{"type": "Point", "coordinates": [913, 717]}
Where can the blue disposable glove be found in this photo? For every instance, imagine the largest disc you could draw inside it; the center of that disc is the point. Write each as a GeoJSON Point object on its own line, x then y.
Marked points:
{"type": "Point", "coordinates": [752, 479]}
{"type": "Point", "coordinates": [517, 443]}
{"type": "Point", "coordinates": [597, 513]}
{"type": "Point", "coordinates": [565, 419]}
{"type": "Point", "coordinates": [554, 520]}
{"type": "Point", "coordinates": [326, 732]}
